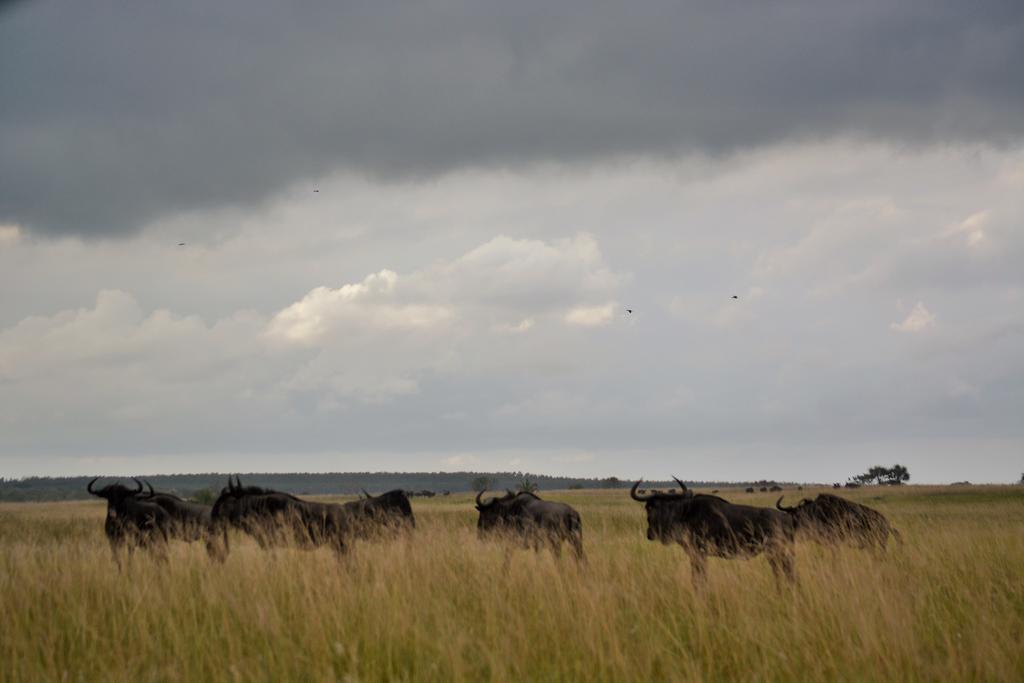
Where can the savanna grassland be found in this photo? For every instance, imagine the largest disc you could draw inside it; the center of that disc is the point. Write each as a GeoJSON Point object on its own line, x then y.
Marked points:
{"type": "Point", "coordinates": [441, 605]}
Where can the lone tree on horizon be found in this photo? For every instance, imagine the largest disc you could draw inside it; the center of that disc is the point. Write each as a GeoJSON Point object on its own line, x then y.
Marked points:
{"type": "Point", "coordinates": [897, 474]}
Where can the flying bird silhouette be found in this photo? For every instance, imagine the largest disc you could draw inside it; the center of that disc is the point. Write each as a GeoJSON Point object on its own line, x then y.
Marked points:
{"type": "Point", "coordinates": [629, 310]}
{"type": "Point", "coordinates": [735, 297]}
{"type": "Point", "coordinates": [181, 244]}
{"type": "Point", "coordinates": [316, 190]}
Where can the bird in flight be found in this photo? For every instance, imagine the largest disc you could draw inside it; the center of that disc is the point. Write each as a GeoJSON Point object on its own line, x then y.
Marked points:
{"type": "Point", "coordinates": [629, 310]}
{"type": "Point", "coordinates": [315, 190]}
{"type": "Point", "coordinates": [735, 297]}
{"type": "Point", "coordinates": [181, 244]}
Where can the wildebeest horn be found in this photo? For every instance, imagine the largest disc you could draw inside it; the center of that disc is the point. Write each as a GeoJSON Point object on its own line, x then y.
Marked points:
{"type": "Point", "coordinates": [635, 496]}
{"type": "Point", "coordinates": [483, 505]}
{"type": "Point", "coordinates": [368, 496]}
{"type": "Point", "coordinates": [681, 485]}
{"type": "Point", "coordinates": [151, 491]}
{"type": "Point", "coordinates": [89, 487]}
{"type": "Point", "coordinates": [238, 482]}
{"type": "Point", "coordinates": [778, 504]}
{"type": "Point", "coordinates": [137, 483]}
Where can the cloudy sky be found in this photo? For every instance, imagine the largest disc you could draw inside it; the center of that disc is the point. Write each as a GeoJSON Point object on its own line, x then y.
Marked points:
{"type": "Point", "coordinates": [412, 231]}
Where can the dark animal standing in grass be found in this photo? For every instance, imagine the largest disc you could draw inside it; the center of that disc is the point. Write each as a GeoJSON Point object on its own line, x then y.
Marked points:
{"type": "Point", "coordinates": [131, 522]}
{"type": "Point", "coordinates": [188, 521]}
{"type": "Point", "coordinates": [533, 520]}
{"type": "Point", "coordinates": [708, 525]}
{"type": "Point", "coordinates": [382, 514]}
{"type": "Point", "coordinates": [277, 518]}
{"type": "Point", "coordinates": [831, 519]}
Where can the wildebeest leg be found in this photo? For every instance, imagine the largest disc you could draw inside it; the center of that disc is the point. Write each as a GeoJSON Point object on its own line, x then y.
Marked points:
{"type": "Point", "coordinates": [781, 561]}
{"type": "Point", "coordinates": [576, 538]}
{"type": "Point", "coordinates": [698, 567]}
{"type": "Point", "coordinates": [217, 546]}
{"type": "Point", "coordinates": [554, 540]}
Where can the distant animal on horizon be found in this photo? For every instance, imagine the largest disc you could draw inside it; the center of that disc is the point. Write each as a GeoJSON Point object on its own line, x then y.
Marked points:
{"type": "Point", "coordinates": [534, 521]}
{"type": "Point", "coordinates": [831, 519]}
{"type": "Point", "coordinates": [706, 525]}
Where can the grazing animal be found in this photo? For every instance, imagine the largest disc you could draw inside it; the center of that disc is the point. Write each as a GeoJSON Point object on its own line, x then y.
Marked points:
{"type": "Point", "coordinates": [387, 512]}
{"type": "Point", "coordinates": [534, 520]}
{"type": "Point", "coordinates": [831, 519]}
{"type": "Point", "coordinates": [750, 489]}
{"type": "Point", "coordinates": [776, 488]}
{"type": "Point", "coordinates": [277, 518]}
{"type": "Point", "coordinates": [131, 522]}
{"type": "Point", "coordinates": [188, 521]}
{"type": "Point", "coordinates": [708, 525]}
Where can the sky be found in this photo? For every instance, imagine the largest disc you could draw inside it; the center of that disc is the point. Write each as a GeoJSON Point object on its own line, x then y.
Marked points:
{"type": "Point", "coordinates": [412, 230]}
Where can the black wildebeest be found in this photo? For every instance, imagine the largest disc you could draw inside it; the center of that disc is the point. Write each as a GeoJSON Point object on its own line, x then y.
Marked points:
{"type": "Point", "coordinates": [534, 520]}
{"type": "Point", "coordinates": [708, 525]}
{"type": "Point", "coordinates": [188, 521]}
{"type": "Point", "coordinates": [275, 517]}
{"type": "Point", "coordinates": [130, 521]}
{"type": "Point", "coordinates": [831, 519]}
{"type": "Point", "coordinates": [750, 489]}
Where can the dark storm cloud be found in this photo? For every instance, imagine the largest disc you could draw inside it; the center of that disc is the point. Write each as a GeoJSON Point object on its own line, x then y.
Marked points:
{"type": "Point", "coordinates": [114, 115]}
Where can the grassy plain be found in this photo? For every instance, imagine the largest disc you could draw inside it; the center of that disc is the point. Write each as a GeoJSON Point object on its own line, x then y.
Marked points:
{"type": "Point", "coordinates": [443, 606]}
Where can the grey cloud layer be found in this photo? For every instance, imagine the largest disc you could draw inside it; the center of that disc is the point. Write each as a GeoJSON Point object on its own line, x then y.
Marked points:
{"type": "Point", "coordinates": [115, 117]}
{"type": "Point", "coordinates": [881, 318]}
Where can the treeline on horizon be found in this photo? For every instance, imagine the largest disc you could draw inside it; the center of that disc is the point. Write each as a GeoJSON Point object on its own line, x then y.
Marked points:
{"type": "Point", "coordinates": [326, 483]}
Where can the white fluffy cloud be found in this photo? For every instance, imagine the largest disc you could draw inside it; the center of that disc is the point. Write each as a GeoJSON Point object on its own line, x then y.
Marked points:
{"type": "Point", "coordinates": [918, 320]}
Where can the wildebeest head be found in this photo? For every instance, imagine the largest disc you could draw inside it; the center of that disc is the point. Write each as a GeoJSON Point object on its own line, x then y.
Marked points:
{"type": "Point", "coordinates": [115, 494]}
{"type": "Point", "coordinates": [229, 504]}
{"type": "Point", "coordinates": [493, 512]}
{"type": "Point", "coordinates": [662, 509]}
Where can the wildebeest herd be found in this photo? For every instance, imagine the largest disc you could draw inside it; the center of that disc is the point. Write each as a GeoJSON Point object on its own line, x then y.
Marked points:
{"type": "Point", "coordinates": [704, 525]}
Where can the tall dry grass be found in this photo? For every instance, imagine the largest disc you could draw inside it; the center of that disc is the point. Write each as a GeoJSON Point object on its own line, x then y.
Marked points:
{"type": "Point", "coordinates": [948, 604]}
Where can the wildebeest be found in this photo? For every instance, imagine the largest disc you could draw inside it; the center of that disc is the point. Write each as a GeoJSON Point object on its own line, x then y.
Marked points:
{"type": "Point", "coordinates": [708, 525]}
{"type": "Point", "coordinates": [750, 489]}
{"type": "Point", "coordinates": [131, 522]}
{"type": "Point", "coordinates": [534, 520]}
{"type": "Point", "coordinates": [188, 521]}
{"type": "Point", "coordinates": [390, 511]}
{"type": "Point", "coordinates": [831, 519]}
{"type": "Point", "coordinates": [274, 517]}
{"type": "Point", "coordinates": [775, 487]}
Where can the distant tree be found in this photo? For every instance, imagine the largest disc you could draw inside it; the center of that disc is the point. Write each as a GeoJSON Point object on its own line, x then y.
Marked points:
{"type": "Point", "coordinates": [611, 482]}
{"type": "Point", "coordinates": [483, 483]}
{"type": "Point", "coordinates": [527, 485]}
{"type": "Point", "coordinates": [575, 487]}
{"type": "Point", "coordinates": [897, 474]}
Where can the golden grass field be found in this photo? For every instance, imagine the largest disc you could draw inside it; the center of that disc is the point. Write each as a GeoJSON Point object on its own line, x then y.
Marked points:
{"type": "Point", "coordinates": [443, 606]}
